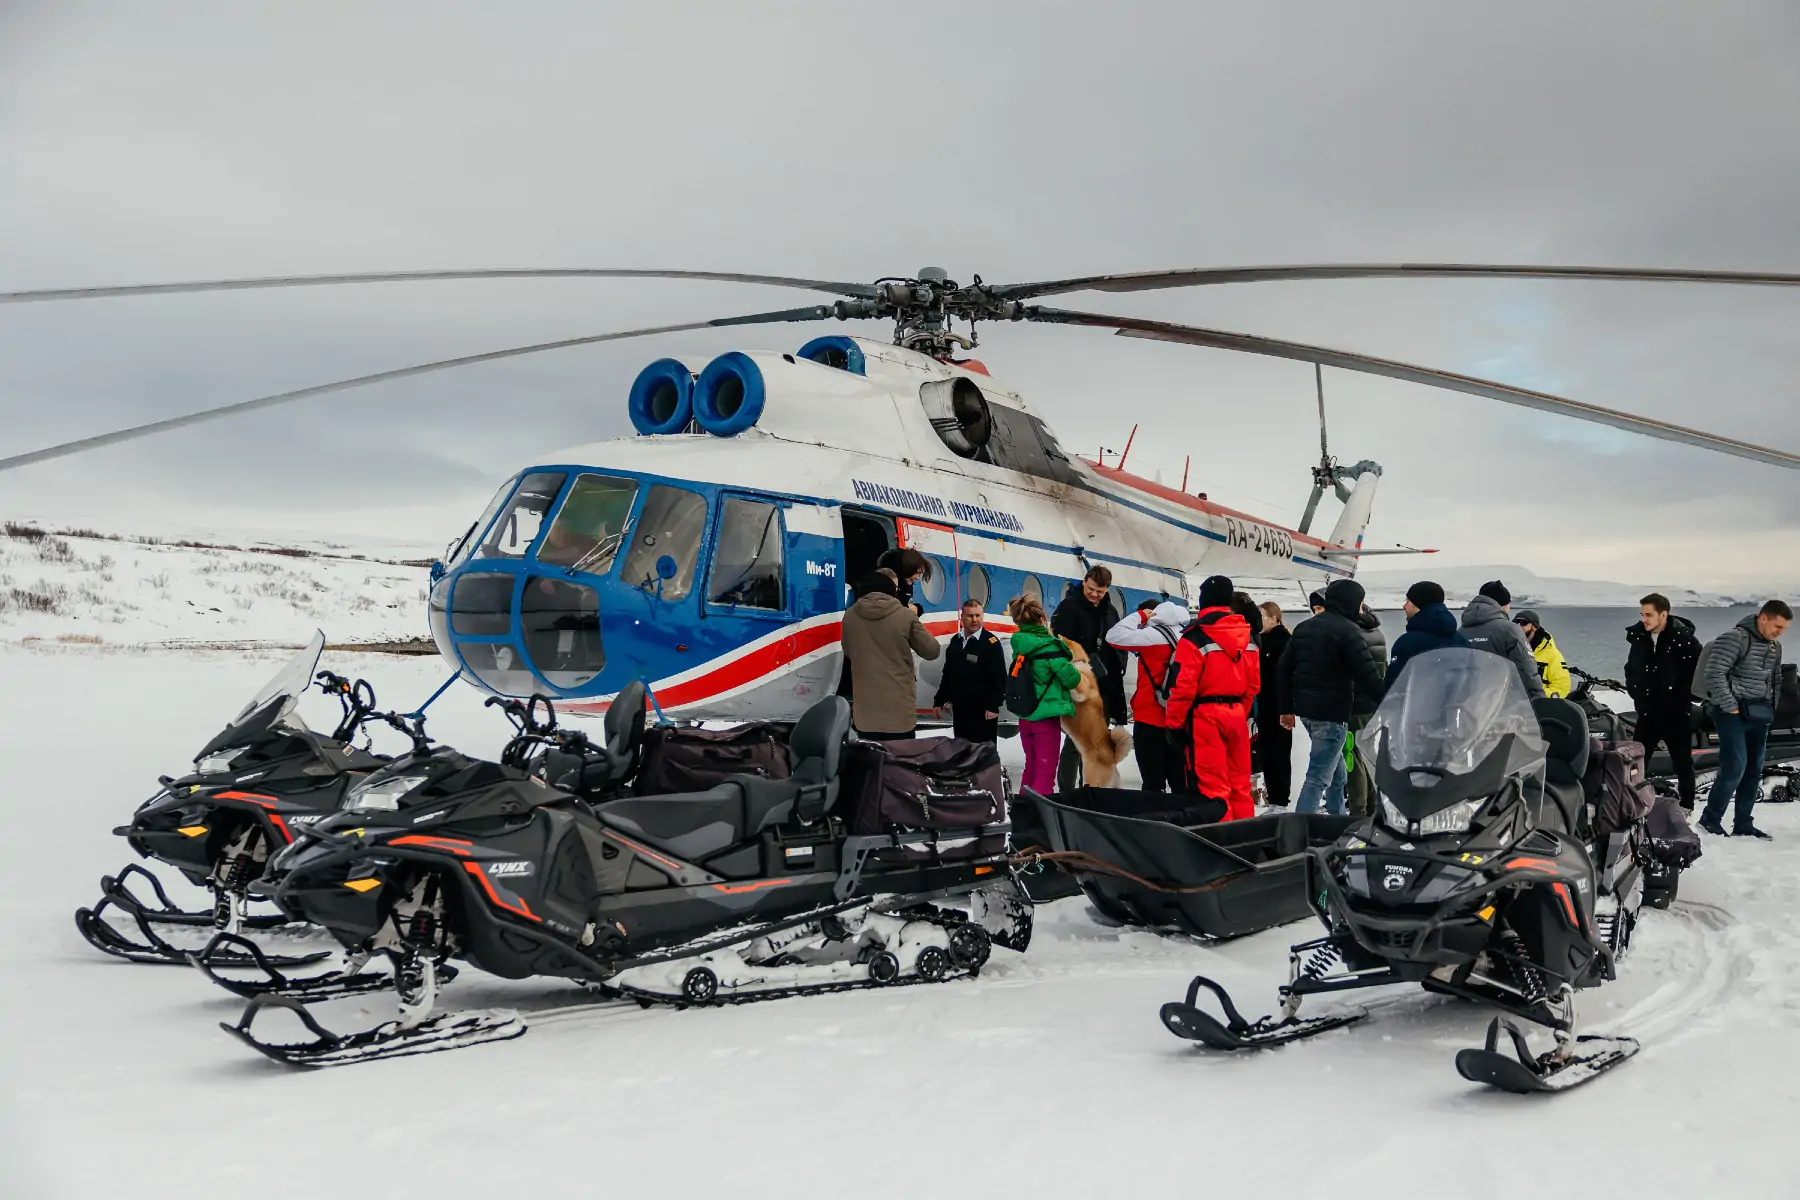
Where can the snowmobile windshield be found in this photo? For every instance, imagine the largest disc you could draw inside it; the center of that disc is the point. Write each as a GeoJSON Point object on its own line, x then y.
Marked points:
{"type": "Point", "coordinates": [285, 689]}
{"type": "Point", "coordinates": [1450, 710]}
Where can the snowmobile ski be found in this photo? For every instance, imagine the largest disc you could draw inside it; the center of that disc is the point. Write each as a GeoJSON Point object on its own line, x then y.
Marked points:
{"type": "Point", "coordinates": [154, 948]}
{"type": "Point", "coordinates": [395, 1039]}
{"type": "Point", "coordinates": [1185, 1019]}
{"type": "Point", "coordinates": [1524, 1073]}
{"type": "Point", "coordinates": [349, 980]}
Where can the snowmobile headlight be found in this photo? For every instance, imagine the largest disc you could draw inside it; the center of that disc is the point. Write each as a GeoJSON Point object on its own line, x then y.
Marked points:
{"type": "Point", "coordinates": [1455, 818]}
{"type": "Point", "coordinates": [220, 763]}
{"type": "Point", "coordinates": [382, 795]}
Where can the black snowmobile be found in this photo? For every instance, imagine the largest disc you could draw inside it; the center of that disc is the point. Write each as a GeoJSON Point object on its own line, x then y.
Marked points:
{"type": "Point", "coordinates": [1780, 753]}
{"type": "Point", "coordinates": [1483, 874]}
{"type": "Point", "coordinates": [754, 888]}
{"type": "Point", "coordinates": [264, 777]}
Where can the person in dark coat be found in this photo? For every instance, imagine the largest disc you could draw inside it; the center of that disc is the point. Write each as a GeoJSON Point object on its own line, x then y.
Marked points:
{"type": "Point", "coordinates": [1487, 623]}
{"type": "Point", "coordinates": [1359, 786]}
{"type": "Point", "coordinates": [1659, 674]}
{"type": "Point", "coordinates": [1430, 625]}
{"type": "Point", "coordinates": [1084, 616]}
{"type": "Point", "coordinates": [974, 681]}
{"type": "Point", "coordinates": [1327, 675]}
{"type": "Point", "coordinates": [1277, 742]}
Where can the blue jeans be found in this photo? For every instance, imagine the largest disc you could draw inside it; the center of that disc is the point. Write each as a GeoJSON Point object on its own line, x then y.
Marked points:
{"type": "Point", "coordinates": [1741, 746]}
{"type": "Point", "coordinates": [1325, 772]}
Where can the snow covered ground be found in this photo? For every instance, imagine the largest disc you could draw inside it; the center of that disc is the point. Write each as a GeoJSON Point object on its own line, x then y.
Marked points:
{"type": "Point", "coordinates": [90, 587]}
{"type": "Point", "coordinates": [1048, 1076]}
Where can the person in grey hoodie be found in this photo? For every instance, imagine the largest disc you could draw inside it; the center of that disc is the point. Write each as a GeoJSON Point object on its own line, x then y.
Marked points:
{"type": "Point", "coordinates": [1487, 625]}
{"type": "Point", "coordinates": [1740, 671]}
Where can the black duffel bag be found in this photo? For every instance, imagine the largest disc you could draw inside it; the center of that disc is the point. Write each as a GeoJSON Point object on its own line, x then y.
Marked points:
{"type": "Point", "coordinates": [934, 784]}
{"type": "Point", "coordinates": [693, 760]}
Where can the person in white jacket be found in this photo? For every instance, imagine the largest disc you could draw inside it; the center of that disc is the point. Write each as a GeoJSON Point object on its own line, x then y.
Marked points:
{"type": "Point", "coordinates": [1151, 633]}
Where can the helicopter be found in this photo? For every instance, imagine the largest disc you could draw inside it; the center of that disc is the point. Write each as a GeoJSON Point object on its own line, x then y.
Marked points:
{"type": "Point", "coordinates": [711, 554]}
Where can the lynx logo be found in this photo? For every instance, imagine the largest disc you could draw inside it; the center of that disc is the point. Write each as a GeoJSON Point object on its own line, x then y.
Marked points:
{"type": "Point", "coordinates": [1396, 878]}
{"type": "Point", "coordinates": [828, 570]}
{"type": "Point", "coordinates": [499, 869]}
{"type": "Point", "coordinates": [305, 820]}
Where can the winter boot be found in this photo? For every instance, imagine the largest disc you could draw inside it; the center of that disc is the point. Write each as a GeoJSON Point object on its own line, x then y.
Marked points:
{"type": "Point", "coordinates": [1752, 831]}
{"type": "Point", "coordinates": [1708, 825]}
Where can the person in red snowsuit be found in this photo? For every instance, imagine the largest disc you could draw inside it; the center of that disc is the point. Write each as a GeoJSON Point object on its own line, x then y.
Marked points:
{"type": "Point", "coordinates": [1218, 674]}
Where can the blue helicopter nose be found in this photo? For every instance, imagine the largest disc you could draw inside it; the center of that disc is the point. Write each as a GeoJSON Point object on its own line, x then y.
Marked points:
{"type": "Point", "coordinates": [516, 630]}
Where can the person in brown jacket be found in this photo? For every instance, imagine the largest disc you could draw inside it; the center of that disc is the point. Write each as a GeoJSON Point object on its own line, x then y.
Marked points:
{"type": "Point", "coordinates": [881, 635]}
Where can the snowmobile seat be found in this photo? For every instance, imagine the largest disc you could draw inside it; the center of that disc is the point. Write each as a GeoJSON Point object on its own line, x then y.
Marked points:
{"type": "Point", "coordinates": [605, 765]}
{"type": "Point", "coordinates": [1565, 730]}
{"type": "Point", "coordinates": [695, 825]}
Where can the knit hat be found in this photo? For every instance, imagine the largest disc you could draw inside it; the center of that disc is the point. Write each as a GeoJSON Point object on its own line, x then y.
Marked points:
{"type": "Point", "coordinates": [1215, 592]}
{"type": "Point", "coordinates": [1528, 616]}
{"type": "Point", "coordinates": [1496, 591]}
{"type": "Point", "coordinates": [1425, 593]}
{"type": "Point", "coordinates": [1315, 600]}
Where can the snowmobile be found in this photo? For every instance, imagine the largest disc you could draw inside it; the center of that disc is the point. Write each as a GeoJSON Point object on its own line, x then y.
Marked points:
{"type": "Point", "coordinates": [1780, 753]}
{"type": "Point", "coordinates": [1483, 875]}
{"type": "Point", "coordinates": [262, 778]}
{"type": "Point", "coordinates": [754, 888]}
{"type": "Point", "coordinates": [1173, 862]}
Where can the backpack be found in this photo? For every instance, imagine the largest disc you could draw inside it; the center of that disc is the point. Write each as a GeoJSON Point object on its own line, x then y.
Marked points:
{"type": "Point", "coordinates": [1619, 787]}
{"type": "Point", "coordinates": [1161, 688]}
{"type": "Point", "coordinates": [1022, 692]}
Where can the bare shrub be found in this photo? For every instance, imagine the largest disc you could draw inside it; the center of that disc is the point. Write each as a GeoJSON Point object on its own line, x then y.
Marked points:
{"type": "Point", "coordinates": [80, 639]}
{"type": "Point", "coordinates": [25, 533]}
{"type": "Point", "coordinates": [159, 581]}
{"type": "Point", "coordinates": [40, 598]}
{"type": "Point", "coordinates": [55, 550]}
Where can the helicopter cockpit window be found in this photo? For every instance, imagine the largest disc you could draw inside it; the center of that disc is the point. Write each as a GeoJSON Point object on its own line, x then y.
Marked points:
{"type": "Point", "coordinates": [560, 621]}
{"type": "Point", "coordinates": [747, 567]}
{"type": "Point", "coordinates": [671, 526]}
{"type": "Point", "coordinates": [588, 531]}
{"type": "Point", "coordinates": [522, 518]}
{"type": "Point", "coordinates": [461, 548]}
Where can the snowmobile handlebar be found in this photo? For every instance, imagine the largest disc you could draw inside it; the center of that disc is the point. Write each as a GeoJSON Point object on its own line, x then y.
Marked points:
{"type": "Point", "coordinates": [356, 697]}
{"type": "Point", "coordinates": [524, 714]}
{"type": "Point", "coordinates": [1594, 680]}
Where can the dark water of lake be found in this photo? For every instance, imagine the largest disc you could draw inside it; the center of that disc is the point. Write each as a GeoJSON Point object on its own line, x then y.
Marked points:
{"type": "Point", "coordinates": [1594, 638]}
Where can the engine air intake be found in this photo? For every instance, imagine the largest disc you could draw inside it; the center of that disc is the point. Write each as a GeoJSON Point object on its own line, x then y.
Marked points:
{"type": "Point", "coordinates": [729, 397]}
{"type": "Point", "coordinates": [662, 398]}
{"type": "Point", "coordinates": [835, 350]}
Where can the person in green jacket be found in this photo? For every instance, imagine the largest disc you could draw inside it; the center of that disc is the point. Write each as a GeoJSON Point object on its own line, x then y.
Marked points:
{"type": "Point", "coordinates": [1053, 676]}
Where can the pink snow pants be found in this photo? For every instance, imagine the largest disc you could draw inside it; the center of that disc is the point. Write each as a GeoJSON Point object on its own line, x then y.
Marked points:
{"type": "Point", "coordinates": [1043, 746]}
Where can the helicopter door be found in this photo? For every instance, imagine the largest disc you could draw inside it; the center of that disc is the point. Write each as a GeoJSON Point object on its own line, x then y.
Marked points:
{"type": "Point", "coordinates": [940, 595]}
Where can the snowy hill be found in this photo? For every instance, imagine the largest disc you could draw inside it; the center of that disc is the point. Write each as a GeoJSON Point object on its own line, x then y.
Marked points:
{"type": "Point", "coordinates": [1387, 588]}
{"type": "Point", "coordinates": [81, 586]}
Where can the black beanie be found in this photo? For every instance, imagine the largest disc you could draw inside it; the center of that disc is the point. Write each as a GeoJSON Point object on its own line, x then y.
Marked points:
{"type": "Point", "coordinates": [1315, 600]}
{"type": "Point", "coordinates": [1496, 591]}
{"type": "Point", "coordinates": [1425, 593]}
{"type": "Point", "coordinates": [1216, 592]}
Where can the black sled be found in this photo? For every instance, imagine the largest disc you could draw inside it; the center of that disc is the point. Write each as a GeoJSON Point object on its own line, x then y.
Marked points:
{"type": "Point", "coordinates": [867, 865]}
{"type": "Point", "coordinates": [262, 779]}
{"type": "Point", "coordinates": [1169, 862]}
{"type": "Point", "coordinates": [1484, 874]}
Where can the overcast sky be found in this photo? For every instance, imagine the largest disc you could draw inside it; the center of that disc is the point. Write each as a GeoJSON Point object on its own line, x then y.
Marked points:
{"type": "Point", "coordinates": [141, 142]}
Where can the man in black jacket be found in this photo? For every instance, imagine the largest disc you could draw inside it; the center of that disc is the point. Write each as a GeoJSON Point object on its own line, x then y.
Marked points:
{"type": "Point", "coordinates": [1328, 674]}
{"type": "Point", "coordinates": [1083, 617]}
{"type": "Point", "coordinates": [1659, 674]}
{"type": "Point", "coordinates": [974, 682]}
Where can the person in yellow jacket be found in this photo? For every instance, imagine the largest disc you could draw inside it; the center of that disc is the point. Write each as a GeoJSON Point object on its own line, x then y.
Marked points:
{"type": "Point", "coordinates": [1551, 666]}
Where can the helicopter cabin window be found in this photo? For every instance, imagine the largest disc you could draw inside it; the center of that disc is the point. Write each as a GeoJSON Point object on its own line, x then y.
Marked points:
{"type": "Point", "coordinates": [591, 525]}
{"type": "Point", "coordinates": [560, 621]}
{"type": "Point", "coordinates": [975, 584]}
{"type": "Point", "coordinates": [671, 526]}
{"type": "Point", "coordinates": [932, 588]}
{"type": "Point", "coordinates": [481, 604]}
{"type": "Point", "coordinates": [523, 517]}
{"type": "Point", "coordinates": [465, 545]}
{"type": "Point", "coordinates": [747, 568]}
{"type": "Point", "coordinates": [1032, 587]}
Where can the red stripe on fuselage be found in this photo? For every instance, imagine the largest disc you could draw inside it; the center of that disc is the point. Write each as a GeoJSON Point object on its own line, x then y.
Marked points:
{"type": "Point", "coordinates": [1138, 483]}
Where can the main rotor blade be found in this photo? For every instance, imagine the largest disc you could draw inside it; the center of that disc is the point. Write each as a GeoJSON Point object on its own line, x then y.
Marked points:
{"type": "Point", "coordinates": [81, 445]}
{"type": "Point", "coordinates": [1348, 361]}
{"type": "Point", "coordinates": [857, 290]}
{"type": "Point", "coordinates": [1145, 281]}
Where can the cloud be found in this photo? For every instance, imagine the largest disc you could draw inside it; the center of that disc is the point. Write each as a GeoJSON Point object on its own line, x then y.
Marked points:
{"type": "Point", "coordinates": [849, 141]}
